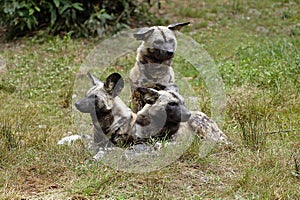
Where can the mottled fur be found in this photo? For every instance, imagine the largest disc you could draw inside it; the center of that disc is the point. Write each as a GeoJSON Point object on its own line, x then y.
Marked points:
{"type": "Point", "coordinates": [113, 120]}
{"type": "Point", "coordinates": [165, 116]}
{"type": "Point", "coordinates": [162, 114]}
{"type": "Point", "coordinates": [153, 61]}
{"type": "Point", "coordinates": [111, 117]}
{"type": "Point", "coordinates": [162, 117]}
{"type": "Point", "coordinates": [200, 124]}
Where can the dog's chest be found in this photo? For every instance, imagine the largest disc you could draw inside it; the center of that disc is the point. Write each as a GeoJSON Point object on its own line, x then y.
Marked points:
{"type": "Point", "coordinates": [143, 75]}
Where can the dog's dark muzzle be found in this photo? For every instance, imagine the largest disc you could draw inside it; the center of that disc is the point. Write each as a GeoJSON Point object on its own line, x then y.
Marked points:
{"type": "Point", "coordinates": [185, 117]}
{"type": "Point", "coordinates": [178, 113]}
{"type": "Point", "coordinates": [161, 54]}
{"type": "Point", "coordinates": [86, 105]}
{"type": "Point", "coordinates": [169, 53]}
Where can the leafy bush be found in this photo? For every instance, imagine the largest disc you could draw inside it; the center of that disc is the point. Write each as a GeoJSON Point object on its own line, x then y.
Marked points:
{"type": "Point", "coordinates": [80, 17]}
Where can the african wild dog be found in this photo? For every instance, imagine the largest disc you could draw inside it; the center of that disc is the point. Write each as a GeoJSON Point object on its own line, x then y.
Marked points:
{"type": "Point", "coordinates": [153, 61]}
{"type": "Point", "coordinates": [161, 116]}
{"type": "Point", "coordinates": [111, 117]}
{"type": "Point", "coordinates": [165, 115]}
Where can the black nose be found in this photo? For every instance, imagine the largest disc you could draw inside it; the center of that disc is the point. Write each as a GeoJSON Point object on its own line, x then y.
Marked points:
{"type": "Point", "coordinates": [77, 104]}
{"type": "Point", "coordinates": [170, 53]}
{"type": "Point", "coordinates": [185, 117]}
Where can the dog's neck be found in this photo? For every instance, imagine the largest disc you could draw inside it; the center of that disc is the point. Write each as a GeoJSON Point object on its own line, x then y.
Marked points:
{"type": "Point", "coordinates": [169, 129]}
{"type": "Point", "coordinates": [153, 72]}
{"type": "Point", "coordinates": [146, 59]}
{"type": "Point", "coordinates": [150, 128]}
{"type": "Point", "coordinates": [102, 120]}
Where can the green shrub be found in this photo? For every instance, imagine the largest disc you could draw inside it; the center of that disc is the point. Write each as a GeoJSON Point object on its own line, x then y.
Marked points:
{"type": "Point", "coordinates": [19, 16]}
{"type": "Point", "coordinates": [82, 18]}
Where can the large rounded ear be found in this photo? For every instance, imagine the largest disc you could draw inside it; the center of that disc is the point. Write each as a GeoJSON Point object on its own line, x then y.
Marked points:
{"type": "Point", "coordinates": [178, 26]}
{"type": "Point", "coordinates": [114, 84]}
{"type": "Point", "coordinates": [148, 95]}
{"type": "Point", "coordinates": [143, 33]}
{"type": "Point", "coordinates": [95, 81]}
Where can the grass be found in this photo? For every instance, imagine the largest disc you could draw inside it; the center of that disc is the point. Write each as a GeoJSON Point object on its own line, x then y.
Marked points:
{"type": "Point", "coordinates": [256, 48]}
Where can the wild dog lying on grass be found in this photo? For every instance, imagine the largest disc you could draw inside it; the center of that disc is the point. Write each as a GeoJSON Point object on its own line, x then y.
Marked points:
{"type": "Point", "coordinates": [153, 61]}
{"type": "Point", "coordinates": [111, 117]}
{"type": "Point", "coordinates": [165, 114]}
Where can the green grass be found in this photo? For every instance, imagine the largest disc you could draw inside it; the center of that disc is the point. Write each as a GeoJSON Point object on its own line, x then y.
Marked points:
{"type": "Point", "coordinates": [256, 48]}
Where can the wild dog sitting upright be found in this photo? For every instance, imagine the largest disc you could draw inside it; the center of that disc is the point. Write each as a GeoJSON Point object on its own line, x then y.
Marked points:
{"type": "Point", "coordinates": [154, 57]}
{"type": "Point", "coordinates": [111, 117]}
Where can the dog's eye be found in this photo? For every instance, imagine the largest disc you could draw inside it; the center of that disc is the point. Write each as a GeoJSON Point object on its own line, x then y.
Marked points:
{"type": "Point", "coordinates": [173, 104]}
{"type": "Point", "coordinates": [171, 40]}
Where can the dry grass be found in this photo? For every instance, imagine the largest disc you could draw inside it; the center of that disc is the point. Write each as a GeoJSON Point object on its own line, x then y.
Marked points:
{"type": "Point", "coordinates": [36, 86]}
